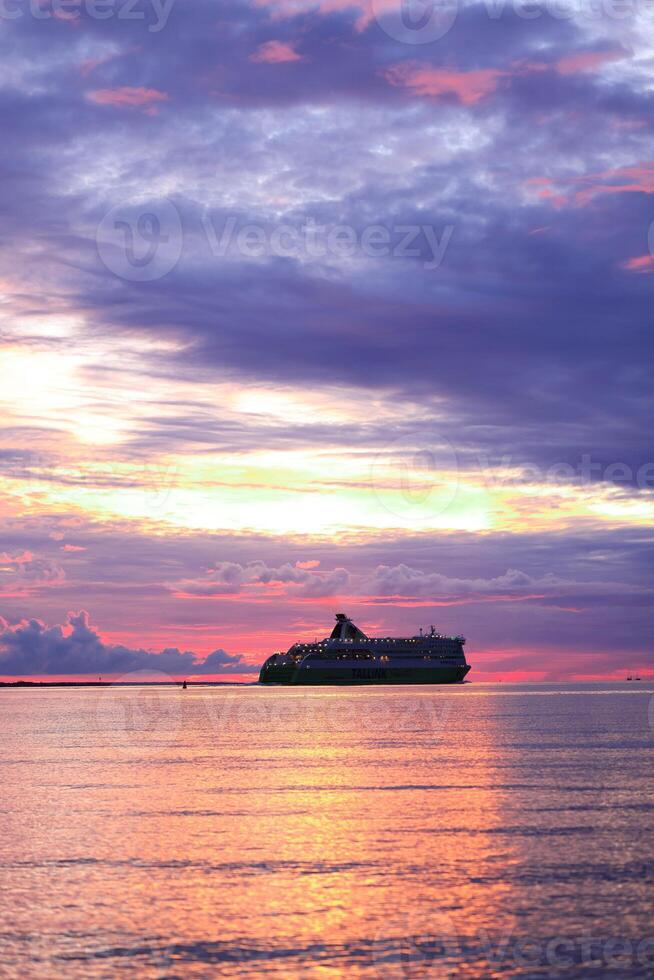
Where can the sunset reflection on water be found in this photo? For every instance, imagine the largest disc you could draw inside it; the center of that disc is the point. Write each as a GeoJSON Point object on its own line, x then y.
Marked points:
{"type": "Point", "coordinates": [372, 832]}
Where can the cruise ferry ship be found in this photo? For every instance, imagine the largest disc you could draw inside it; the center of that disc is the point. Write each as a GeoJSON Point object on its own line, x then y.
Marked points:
{"type": "Point", "coordinates": [348, 656]}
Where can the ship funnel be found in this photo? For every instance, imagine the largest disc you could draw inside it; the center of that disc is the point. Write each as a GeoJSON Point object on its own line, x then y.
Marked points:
{"type": "Point", "coordinates": [346, 630]}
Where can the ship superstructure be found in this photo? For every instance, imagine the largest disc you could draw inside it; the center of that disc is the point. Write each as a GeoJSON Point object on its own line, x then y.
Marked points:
{"type": "Point", "coordinates": [348, 656]}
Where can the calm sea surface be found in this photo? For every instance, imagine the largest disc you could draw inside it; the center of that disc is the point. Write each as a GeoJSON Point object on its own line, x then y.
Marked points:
{"type": "Point", "coordinates": [477, 831]}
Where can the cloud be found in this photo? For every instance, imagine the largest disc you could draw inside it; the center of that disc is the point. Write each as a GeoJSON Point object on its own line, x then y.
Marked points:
{"type": "Point", "coordinates": [16, 561]}
{"type": "Point", "coordinates": [588, 60]}
{"type": "Point", "coordinates": [31, 648]}
{"type": "Point", "coordinates": [586, 583]}
{"type": "Point", "coordinates": [126, 96]}
{"type": "Point", "coordinates": [275, 53]}
{"type": "Point", "coordinates": [404, 582]}
{"type": "Point", "coordinates": [468, 87]}
{"type": "Point", "coordinates": [24, 574]}
{"type": "Point", "coordinates": [362, 9]}
{"type": "Point", "coordinates": [513, 585]}
{"type": "Point", "coordinates": [580, 190]}
{"type": "Point", "coordinates": [640, 263]}
{"type": "Point", "coordinates": [298, 581]}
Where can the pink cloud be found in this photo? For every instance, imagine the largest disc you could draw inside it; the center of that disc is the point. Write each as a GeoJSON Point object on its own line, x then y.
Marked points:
{"type": "Point", "coordinates": [291, 8]}
{"type": "Point", "coordinates": [571, 64]}
{"type": "Point", "coordinates": [24, 558]}
{"type": "Point", "coordinates": [642, 263]}
{"type": "Point", "coordinates": [618, 180]}
{"type": "Point", "coordinates": [582, 189]}
{"type": "Point", "coordinates": [587, 61]}
{"type": "Point", "coordinates": [275, 53]}
{"type": "Point", "coordinates": [127, 96]}
{"type": "Point", "coordinates": [73, 547]}
{"type": "Point", "coordinates": [468, 87]}
{"type": "Point", "coordinates": [627, 123]}
{"type": "Point", "coordinates": [229, 579]}
{"type": "Point", "coordinates": [544, 187]}
{"type": "Point", "coordinates": [88, 65]}
{"type": "Point", "coordinates": [23, 575]}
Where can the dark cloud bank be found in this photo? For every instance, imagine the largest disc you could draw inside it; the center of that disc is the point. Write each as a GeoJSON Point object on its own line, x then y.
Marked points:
{"type": "Point", "coordinates": [532, 325]}
{"type": "Point", "coordinates": [32, 648]}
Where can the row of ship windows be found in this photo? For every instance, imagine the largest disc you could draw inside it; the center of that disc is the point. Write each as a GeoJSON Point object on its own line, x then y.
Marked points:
{"type": "Point", "coordinates": [383, 658]}
{"type": "Point", "coordinates": [390, 639]}
{"type": "Point", "coordinates": [448, 644]}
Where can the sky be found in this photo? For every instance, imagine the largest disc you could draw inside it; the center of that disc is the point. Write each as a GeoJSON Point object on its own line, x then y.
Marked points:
{"type": "Point", "coordinates": [325, 306]}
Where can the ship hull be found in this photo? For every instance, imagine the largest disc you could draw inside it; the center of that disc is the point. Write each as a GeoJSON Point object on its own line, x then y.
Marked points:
{"type": "Point", "coordinates": [346, 675]}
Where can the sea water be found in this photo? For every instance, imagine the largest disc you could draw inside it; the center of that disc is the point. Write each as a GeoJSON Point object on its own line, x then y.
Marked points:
{"type": "Point", "coordinates": [471, 831]}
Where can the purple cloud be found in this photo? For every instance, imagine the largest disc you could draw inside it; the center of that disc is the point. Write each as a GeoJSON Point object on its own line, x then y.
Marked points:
{"type": "Point", "coordinates": [32, 648]}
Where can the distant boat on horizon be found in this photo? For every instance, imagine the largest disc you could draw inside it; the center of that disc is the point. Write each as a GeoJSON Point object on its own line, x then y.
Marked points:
{"type": "Point", "coordinates": [348, 656]}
